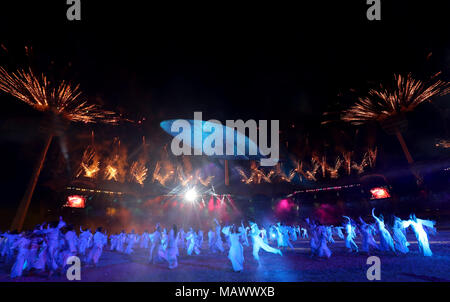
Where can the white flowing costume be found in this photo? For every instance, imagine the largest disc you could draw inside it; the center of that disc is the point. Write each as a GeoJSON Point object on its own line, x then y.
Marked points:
{"type": "Point", "coordinates": [23, 245]}
{"type": "Point", "coordinates": [386, 242]}
{"type": "Point", "coordinates": [349, 242]}
{"type": "Point", "coordinates": [236, 252]}
{"type": "Point", "coordinates": [258, 243]}
{"type": "Point", "coordinates": [324, 251]}
{"type": "Point", "coordinates": [421, 235]}
{"type": "Point", "coordinates": [99, 240]}
{"type": "Point", "coordinates": [400, 241]}
{"type": "Point", "coordinates": [170, 254]}
{"type": "Point", "coordinates": [367, 236]}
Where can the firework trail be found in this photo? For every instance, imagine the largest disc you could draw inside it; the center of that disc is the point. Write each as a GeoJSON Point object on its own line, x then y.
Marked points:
{"type": "Point", "coordinates": [347, 157]}
{"type": "Point", "coordinates": [116, 163]}
{"type": "Point", "coordinates": [138, 170]}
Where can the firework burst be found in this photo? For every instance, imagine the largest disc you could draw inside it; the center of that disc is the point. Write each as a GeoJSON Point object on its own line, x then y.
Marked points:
{"type": "Point", "coordinates": [63, 99]}
{"type": "Point", "coordinates": [257, 176]}
{"type": "Point", "coordinates": [184, 178]}
{"type": "Point", "coordinates": [138, 172]}
{"type": "Point", "coordinates": [282, 176]}
{"type": "Point", "coordinates": [372, 156]}
{"type": "Point", "coordinates": [110, 173]}
{"type": "Point", "coordinates": [443, 144]}
{"type": "Point", "coordinates": [159, 177]}
{"type": "Point", "coordinates": [204, 181]}
{"type": "Point", "coordinates": [405, 96]}
{"type": "Point", "coordinates": [334, 171]}
{"type": "Point", "coordinates": [321, 162]}
{"type": "Point", "coordinates": [89, 163]}
{"type": "Point", "coordinates": [347, 156]}
{"type": "Point", "coordinates": [299, 170]}
{"type": "Point", "coordinates": [311, 175]}
{"type": "Point", "coordinates": [360, 167]}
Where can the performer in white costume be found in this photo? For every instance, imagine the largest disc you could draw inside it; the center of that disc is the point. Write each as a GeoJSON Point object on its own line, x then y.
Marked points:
{"type": "Point", "coordinates": [386, 242]}
{"type": "Point", "coordinates": [130, 241]}
{"type": "Point", "coordinates": [99, 240]}
{"type": "Point", "coordinates": [211, 241]}
{"type": "Point", "coordinates": [236, 252]}
{"type": "Point", "coordinates": [191, 239]}
{"type": "Point", "coordinates": [324, 251]}
{"type": "Point", "coordinates": [217, 238]}
{"type": "Point", "coordinates": [400, 242]}
{"type": "Point", "coordinates": [368, 241]}
{"type": "Point", "coordinates": [199, 241]}
{"type": "Point", "coordinates": [170, 254]}
{"type": "Point", "coordinates": [349, 242]}
{"type": "Point", "coordinates": [338, 231]}
{"type": "Point", "coordinates": [85, 237]}
{"type": "Point", "coordinates": [155, 238]}
{"type": "Point", "coordinates": [258, 243]}
{"type": "Point", "coordinates": [243, 232]}
{"type": "Point", "coordinates": [23, 246]}
{"type": "Point", "coordinates": [145, 239]}
{"type": "Point", "coordinates": [422, 237]}
{"type": "Point", "coordinates": [314, 242]}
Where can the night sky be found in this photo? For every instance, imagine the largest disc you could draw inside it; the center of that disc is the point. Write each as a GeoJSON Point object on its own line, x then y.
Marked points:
{"type": "Point", "coordinates": [229, 61]}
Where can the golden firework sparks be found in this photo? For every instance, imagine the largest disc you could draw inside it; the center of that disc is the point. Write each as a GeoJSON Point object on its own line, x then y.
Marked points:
{"type": "Point", "coordinates": [116, 162]}
{"type": "Point", "coordinates": [63, 98]}
{"type": "Point", "coordinates": [322, 163]}
{"type": "Point", "coordinates": [347, 157]}
{"type": "Point", "coordinates": [405, 96]}
{"type": "Point", "coordinates": [443, 144]}
{"type": "Point", "coordinates": [111, 173]}
{"type": "Point", "coordinates": [372, 156]}
{"type": "Point", "coordinates": [257, 176]}
{"type": "Point", "coordinates": [184, 180]}
{"type": "Point", "coordinates": [204, 181]}
{"type": "Point", "coordinates": [244, 177]}
{"type": "Point", "coordinates": [311, 175]}
{"type": "Point", "coordinates": [360, 167]}
{"type": "Point", "coordinates": [299, 171]}
{"type": "Point", "coordinates": [89, 163]}
{"type": "Point", "coordinates": [138, 172]}
{"type": "Point", "coordinates": [162, 179]}
{"type": "Point", "coordinates": [334, 171]}
{"type": "Point", "coordinates": [283, 177]}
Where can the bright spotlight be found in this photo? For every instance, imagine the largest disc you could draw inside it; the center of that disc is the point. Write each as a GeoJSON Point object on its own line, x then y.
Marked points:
{"type": "Point", "coordinates": [190, 195]}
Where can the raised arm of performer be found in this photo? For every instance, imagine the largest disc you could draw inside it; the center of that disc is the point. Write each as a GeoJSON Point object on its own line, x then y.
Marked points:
{"type": "Point", "coordinates": [373, 215]}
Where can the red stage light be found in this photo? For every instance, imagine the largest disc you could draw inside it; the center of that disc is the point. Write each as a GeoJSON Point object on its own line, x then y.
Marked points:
{"type": "Point", "coordinates": [76, 201]}
{"type": "Point", "coordinates": [379, 193]}
{"type": "Point", "coordinates": [211, 204]}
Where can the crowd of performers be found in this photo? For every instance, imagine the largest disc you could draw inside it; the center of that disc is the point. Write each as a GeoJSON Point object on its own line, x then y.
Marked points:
{"type": "Point", "coordinates": [48, 246]}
